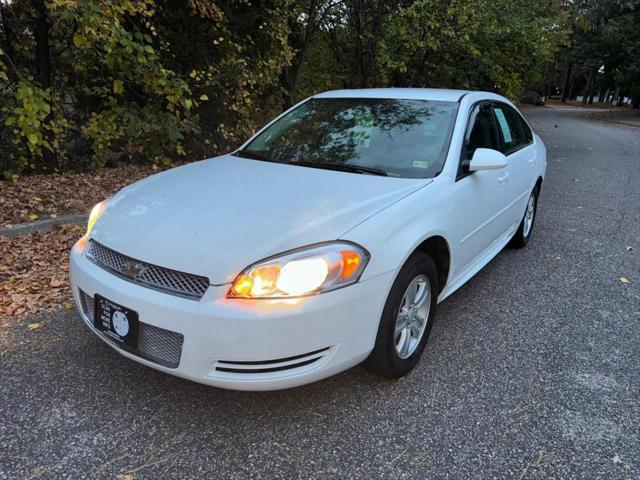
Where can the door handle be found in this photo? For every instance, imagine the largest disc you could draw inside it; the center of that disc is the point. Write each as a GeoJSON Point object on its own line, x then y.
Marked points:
{"type": "Point", "coordinates": [503, 178]}
{"type": "Point", "coordinates": [532, 161]}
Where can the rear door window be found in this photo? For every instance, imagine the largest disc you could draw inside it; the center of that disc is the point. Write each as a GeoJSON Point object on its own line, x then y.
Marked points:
{"type": "Point", "coordinates": [512, 128]}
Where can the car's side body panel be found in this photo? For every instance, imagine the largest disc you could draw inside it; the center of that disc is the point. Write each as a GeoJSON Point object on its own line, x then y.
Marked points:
{"type": "Point", "coordinates": [477, 214]}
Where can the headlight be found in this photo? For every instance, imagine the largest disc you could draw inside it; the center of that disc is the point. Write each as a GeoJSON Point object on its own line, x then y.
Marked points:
{"type": "Point", "coordinates": [306, 271]}
{"type": "Point", "coordinates": [96, 213]}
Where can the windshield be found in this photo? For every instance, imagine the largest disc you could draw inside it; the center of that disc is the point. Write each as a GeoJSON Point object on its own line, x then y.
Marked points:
{"type": "Point", "coordinates": [399, 138]}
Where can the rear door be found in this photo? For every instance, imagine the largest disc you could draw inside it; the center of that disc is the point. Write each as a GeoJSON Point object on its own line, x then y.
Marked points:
{"type": "Point", "coordinates": [517, 144]}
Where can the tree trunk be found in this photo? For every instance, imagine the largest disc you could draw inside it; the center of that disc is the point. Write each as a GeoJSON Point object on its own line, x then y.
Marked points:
{"type": "Point", "coordinates": [571, 89]}
{"type": "Point", "coordinates": [43, 70]}
{"type": "Point", "coordinates": [588, 91]}
{"type": "Point", "coordinates": [372, 47]}
{"type": "Point", "coordinates": [603, 95]}
{"type": "Point", "coordinates": [291, 74]}
{"type": "Point", "coordinates": [567, 84]}
{"type": "Point", "coordinates": [7, 43]}
{"type": "Point", "coordinates": [593, 92]}
{"type": "Point", "coordinates": [43, 60]}
{"type": "Point", "coordinates": [614, 98]}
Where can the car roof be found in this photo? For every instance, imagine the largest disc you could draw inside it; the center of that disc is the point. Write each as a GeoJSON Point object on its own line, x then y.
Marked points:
{"type": "Point", "coordinates": [437, 94]}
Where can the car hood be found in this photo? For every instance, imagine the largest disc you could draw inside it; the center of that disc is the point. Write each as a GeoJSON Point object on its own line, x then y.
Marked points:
{"type": "Point", "coordinates": [217, 216]}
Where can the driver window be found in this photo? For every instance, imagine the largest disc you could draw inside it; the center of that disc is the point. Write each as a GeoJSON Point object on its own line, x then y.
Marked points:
{"type": "Point", "coordinates": [483, 133]}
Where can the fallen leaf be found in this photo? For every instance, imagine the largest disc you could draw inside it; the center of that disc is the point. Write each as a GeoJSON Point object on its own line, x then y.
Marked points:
{"type": "Point", "coordinates": [628, 249]}
{"type": "Point", "coordinates": [617, 459]}
{"type": "Point", "coordinates": [33, 271]}
{"type": "Point", "coordinates": [33, 326]}
{"type": "Point", "coordinates": [624, 280]}
{"type": "Point", "coordinates": [33, 216]}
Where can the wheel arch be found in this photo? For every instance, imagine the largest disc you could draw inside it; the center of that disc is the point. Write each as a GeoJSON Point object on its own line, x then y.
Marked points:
{"type": "Point", "coordinates": [539, 184]}
{"type": "Point", "coordinates": [437, 247]}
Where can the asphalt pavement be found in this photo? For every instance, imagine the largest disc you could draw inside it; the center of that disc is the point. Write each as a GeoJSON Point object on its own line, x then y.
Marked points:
{"type": "Point", "coordinates": [532, 369]}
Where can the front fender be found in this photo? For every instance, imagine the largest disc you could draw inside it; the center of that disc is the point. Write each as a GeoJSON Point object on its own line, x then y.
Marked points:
{"type": "Point", "coordinates": [393, 235]}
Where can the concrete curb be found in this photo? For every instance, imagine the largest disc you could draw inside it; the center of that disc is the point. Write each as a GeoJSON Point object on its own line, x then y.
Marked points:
{"type": "Point", "coordinates": [620, 122]}
{"type": "Point", "coordinates": [600, 114]}
{"type": "Point", "coordinates": [43, 225]}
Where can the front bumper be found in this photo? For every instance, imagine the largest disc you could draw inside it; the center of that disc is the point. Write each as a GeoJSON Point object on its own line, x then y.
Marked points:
{"type": "Point", "coordinates": [244, 344]}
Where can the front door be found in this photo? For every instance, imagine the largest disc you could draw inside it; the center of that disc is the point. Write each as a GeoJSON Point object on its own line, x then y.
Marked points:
{"type": "Point", "coordinates": [480, 199]}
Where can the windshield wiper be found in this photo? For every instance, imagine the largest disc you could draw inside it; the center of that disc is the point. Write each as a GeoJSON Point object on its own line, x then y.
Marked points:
{"type": "Point", "coordinates": [253, 156]}
{"type": "Point", "coordinates": [344, 167]}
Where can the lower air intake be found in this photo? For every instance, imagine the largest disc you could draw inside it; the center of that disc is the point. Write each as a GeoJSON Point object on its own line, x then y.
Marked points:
{"type": "Point", "coordinates": [155, 344]}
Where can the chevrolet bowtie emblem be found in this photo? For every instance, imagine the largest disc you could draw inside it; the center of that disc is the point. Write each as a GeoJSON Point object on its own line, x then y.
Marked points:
{"type": "Point", "coordinates": [133, 269]}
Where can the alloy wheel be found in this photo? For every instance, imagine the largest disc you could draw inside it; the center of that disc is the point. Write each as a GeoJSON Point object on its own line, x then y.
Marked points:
{"type": "Point", "coordinates": [412, 316]}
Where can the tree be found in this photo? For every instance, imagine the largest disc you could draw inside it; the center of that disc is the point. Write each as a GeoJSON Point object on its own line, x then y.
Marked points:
{"type": "Point", "coordinates": [603, 48]}
{"type": "Point", "coordinates": [86, 83]}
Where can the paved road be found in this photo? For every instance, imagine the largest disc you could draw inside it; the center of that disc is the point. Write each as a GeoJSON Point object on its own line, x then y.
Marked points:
{"type": "Point", "coordinates": [532, 370]}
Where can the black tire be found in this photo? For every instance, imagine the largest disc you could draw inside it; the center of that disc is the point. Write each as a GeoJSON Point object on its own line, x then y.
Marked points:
{"type": "Point", "coordinates": [520, 238]}
{"type": "Point", "coordinates": [384, 359]}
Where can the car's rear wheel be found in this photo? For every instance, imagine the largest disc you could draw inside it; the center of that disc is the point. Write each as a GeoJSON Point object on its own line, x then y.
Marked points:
{"type": "Point", "coordinates": [523, 234]}
{"type": "Point", "coordinates": [406, 319]}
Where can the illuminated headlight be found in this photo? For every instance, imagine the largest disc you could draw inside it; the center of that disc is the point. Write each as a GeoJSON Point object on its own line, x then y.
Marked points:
{"type": "Point", "coordinates": [96, 213]}
{"type": "Point", "coordinates": [305, 271]}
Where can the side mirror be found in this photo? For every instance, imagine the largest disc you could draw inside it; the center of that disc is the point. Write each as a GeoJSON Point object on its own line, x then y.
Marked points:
{"type": "Point", "coordinates": [487, 159]}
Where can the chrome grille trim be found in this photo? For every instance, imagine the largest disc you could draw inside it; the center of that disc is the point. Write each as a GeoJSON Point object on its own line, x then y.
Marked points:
{"type": "Point", "coordinates": [155, 344]}
{"type": "Point", "coordinates": [151, 276]}
{"type": "Point", "coordinates": [272, 365]}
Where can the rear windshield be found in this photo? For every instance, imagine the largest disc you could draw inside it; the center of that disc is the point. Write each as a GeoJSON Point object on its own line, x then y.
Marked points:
{"type": "Point", "coordinates": [402, 138]}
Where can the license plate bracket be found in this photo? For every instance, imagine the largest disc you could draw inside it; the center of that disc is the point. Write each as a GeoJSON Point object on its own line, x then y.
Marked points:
{"type": "Point", "coordinates": [116, 321]}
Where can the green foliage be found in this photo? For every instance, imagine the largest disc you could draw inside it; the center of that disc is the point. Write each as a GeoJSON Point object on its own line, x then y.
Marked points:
{"type": "Point", "coordinates": [462, 44]}
{"type": "Point", "coordinates": [234, 59]}
{"type": "Point", "coordinates": [141, 109]}
{"type": "Point", "coordinates": [27, 115]}
{"type": "Point", "coordinates": [133, 80]}
{"type": "Point", "coordinates": [602, 54]}
{"type": "Point", "coordinates": [32, 106]}
{"type": "Point", "coordinates": [147, 81]}
{"type": "Point", "coordinates": [532, 98]}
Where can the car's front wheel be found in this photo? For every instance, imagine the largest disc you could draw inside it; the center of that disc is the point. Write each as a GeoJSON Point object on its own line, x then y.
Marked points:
{"type": "Point", "coordinates": [523, 234]}
{"type": "Point", "coordinates": [406, 319]}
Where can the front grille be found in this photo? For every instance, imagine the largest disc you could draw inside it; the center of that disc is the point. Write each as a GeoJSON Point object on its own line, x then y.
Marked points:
{"type": "Point", "coordinates": [160, 345]}
{"type": "Point", "coordinates": [151, 276]}
{"type": "Point", "coordinates": [154, 343]}
{"type": "Point", "coordinates": [270, 366]}
{"type": "Point", "coordinates": [88, 306]}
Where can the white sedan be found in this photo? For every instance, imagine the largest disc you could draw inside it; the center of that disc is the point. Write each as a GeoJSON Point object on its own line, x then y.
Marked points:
{"type": "Point", "coordinates": [325, 241]}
